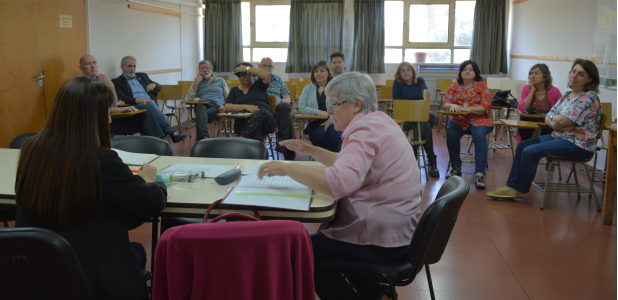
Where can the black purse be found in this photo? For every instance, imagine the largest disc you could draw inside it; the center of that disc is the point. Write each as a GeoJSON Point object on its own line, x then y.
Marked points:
{"type": "Point", "coordinates": [501, 98]}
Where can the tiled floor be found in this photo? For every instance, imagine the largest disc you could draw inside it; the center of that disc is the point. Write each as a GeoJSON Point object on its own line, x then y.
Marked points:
{"type": "Point", "coordinates": [508, 249]}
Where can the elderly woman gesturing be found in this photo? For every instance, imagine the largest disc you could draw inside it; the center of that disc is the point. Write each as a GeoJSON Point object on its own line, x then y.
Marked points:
{"type": "Point", "coordinates": [374, 178]}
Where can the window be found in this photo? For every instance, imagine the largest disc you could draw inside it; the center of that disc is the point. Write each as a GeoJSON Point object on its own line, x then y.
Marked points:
{"type": "Point", "coordinates": [265, 30]}
{"type": "Point", "coordinates": [439, 33]}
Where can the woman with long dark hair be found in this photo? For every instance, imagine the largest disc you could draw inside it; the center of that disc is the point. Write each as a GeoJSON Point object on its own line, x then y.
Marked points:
{"type": "Point", "coordinates": [70, 181]}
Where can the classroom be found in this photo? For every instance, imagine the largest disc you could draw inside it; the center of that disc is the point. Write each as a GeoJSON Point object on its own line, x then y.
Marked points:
{"type": "Point", "coordinates": [502, 185]}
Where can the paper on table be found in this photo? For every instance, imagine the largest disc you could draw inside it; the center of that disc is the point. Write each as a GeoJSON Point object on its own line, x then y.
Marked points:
{"type": "Point", "coordinates": [209, 170]}
{"type": "Point", "coordinates": [252, 170]}
{"type": "Point", "coordinates": [275, 182]}
{"type": "Point", "coordinates": [131, 158]}
{"type": "Point", "coordinates": [265, 197]}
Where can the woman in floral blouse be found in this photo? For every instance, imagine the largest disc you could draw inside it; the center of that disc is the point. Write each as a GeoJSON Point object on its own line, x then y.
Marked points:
{"type": "Point", "coordinates": [469, 95]}
{"type": "Point", "coordinates": [575, 120]}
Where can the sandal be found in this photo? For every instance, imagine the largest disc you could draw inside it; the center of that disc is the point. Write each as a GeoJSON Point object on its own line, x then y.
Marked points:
{"type": "Point", "coordinates": [479, 181]}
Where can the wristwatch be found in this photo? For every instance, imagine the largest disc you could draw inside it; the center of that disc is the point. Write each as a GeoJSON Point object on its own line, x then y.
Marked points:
{"type": "Point", "coordinates": [248, 69]}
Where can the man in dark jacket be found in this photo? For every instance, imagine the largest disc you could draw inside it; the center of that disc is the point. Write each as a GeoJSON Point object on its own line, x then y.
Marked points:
{"type": "Point", "coordinates": [137, 89]}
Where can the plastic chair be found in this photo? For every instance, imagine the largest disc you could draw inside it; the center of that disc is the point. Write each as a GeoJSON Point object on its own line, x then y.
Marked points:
{"type": "Point", "coordinates": [413, 111]}
{"type": "Point", "coordinates": [427, 246]}
{"type": "Point", "coordinates": [39, 264]}
{"type": "Point", "coordinates": [17, 141]}
{"type": "Point", "coordinates": [142, 144]}
{"type": "Point", "coordinates": [571, 187]}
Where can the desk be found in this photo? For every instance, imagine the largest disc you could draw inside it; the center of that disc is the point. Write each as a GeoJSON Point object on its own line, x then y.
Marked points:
{"type": "Point", "coordinates": [127, 113]}
{"type": "Point", "coordinates": [535, 116]}
{"type": "Point", "coordinates": [446, 113]}
{"type": "Point", "coordinates": [305, 118]}
{"type": "Point", "coordinates": [609, 196]}
{"type": "Point", "coordinates": [227, 117]}
{"type": "Point", "coordinates": [519, 124]}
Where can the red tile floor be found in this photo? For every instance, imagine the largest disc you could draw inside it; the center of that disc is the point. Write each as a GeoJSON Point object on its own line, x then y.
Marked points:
{"type": "Point", "coordinates": [507, 249]}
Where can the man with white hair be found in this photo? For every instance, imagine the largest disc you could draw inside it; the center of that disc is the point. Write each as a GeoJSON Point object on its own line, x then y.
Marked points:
{"type": "Point", "coordinates": [213, 91]}
{"type": "Point", "coordinates": [137, 88]}
{"type": "Point", "coordinates": [143, 123]}
{"type": "Point", "coordinates": [282, 110]}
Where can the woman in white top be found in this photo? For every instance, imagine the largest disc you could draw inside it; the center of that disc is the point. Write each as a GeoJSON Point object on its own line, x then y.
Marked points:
{"type": "Point", "coordinates": [313, 101]}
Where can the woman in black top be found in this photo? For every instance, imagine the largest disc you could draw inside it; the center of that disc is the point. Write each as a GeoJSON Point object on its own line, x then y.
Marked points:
{"type": "Point", "coordinates": [69, 181]}
{"type": "Point", "coordinates": [251, 96]}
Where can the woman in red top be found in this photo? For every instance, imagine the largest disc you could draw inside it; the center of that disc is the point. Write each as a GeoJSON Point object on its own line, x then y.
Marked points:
{"type": "Point", "coordinates": [469, 95]}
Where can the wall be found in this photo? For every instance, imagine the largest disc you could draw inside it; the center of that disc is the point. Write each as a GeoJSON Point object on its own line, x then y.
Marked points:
{"type": "Point", "coordinates": [567, 31]}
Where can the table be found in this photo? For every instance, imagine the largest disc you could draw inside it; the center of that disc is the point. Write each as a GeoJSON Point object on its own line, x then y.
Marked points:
{"type": "Point", "coordinates": [535, 116]}
{"type": "Point", "coordinates": [447, 113]}
{"type": "Point", "coordinates": [227, 117]}
{"type": "Point", "coordinates": [127, 113]}
{"type": "Point", "coordinates": [305, 118]}
{"type": "Point", "coordinates": [519, 124]}
{"type": "Point", "coordinates": [609, 196]}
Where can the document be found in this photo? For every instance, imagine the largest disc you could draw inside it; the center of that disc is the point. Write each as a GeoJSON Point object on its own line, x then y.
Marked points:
{"type": "Point", "coordinates": [131, 158]}
{"type": "Point", "coordinates": [208, 170]}
{"type": "Point", "coordinates": [277, 191]}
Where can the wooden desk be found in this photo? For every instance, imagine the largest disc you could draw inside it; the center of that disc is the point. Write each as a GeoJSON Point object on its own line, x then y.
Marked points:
{"type": "Point", "coordinates": [226, 121]}
{"type": "Point", "coordinates": [519, 124]}
{"type": "Point", "coordinates": [385, 100]}
{"type": "Point", "coordinates": [445, 113]}
{"type": "Point", "coordinates": [609, 196]}
{"type": "Point", "coordinates": [127, 113]}
{"type": "Point", "coordinates": [305, 118]}
{"type": "Point", "coordinates": [535, 116]}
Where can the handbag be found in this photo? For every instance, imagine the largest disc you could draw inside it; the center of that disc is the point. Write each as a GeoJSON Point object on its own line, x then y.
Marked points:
{"type": "Point", "coordinates": [501, 98]}
{"type": "Point", "coordinates": [233, 215]}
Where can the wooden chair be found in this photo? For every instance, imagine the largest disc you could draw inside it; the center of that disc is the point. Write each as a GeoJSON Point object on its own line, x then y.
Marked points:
{"type": "Point", "coordinates": [185, 86]}
{"type": "Point", "coordinates": [163, 95]}
{"type": "Point", "coordinates": [293, 93]}
{"type": "Point", "coordinates": [232, 83]}
{"type": "Point", "coordinates": [571, 187]}
{"type": "Point", "coordinates": [413, 111]}
{"type": "Point", "coordinates": [389, 82]}
{"type": "Point", "coordinates": [443, 85]}
{"type": "Point", "coordinates": [174, 93]}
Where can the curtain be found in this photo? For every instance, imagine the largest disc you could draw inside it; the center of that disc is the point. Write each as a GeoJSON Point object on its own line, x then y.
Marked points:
{"type": "Point", "coordinates": [315, 32]}
{"type": "Point", "coordinates": [368, 52]}
{"type": "Point", "coordinates": [223, 34]}
{"type": "Point", "coordinates": [489, 36]}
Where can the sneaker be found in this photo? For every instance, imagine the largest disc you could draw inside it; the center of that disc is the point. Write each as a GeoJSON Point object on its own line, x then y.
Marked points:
{"type": "Point", "coordinates": [479, 181]}
{"type": "Point", "coordinates": [502, 193]}
{"type": "Point", "coordinates": [177, 137]}
{"type": "Point", "coordinates": [454, 172]}
{"type": "Point", "coordinates": [523, 196]}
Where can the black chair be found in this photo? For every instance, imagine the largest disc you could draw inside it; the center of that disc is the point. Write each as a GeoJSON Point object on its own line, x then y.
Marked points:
{"type": "Point", "coordinates": [230, 148]}
{"type": "Point", "coordinates": [219, 148]}
{"type": "Point", "coordinates": [142, 144]}
{"type": "Point", "coordinates": [17, 141]}
{"type": "Point", "coordinates": [38, 263]}
{"type": "Point", "coordinates": [10, 214]}
{"type": "Point", "coordinates": [428, 243]}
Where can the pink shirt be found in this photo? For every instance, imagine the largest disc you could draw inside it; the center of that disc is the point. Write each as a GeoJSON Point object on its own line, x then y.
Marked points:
{"type": "Point", "coordinates": [377, 182]}
{"type": "Point", "coordinates": [553, 95]}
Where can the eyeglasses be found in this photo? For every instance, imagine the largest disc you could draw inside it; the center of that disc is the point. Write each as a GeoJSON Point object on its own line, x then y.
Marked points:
{"type": "Point", "coordinates": [332, 106]}
{"type": "Point", "coordinates": [243, 74]}
{"type": "Point", "coordinates": [578, 74]}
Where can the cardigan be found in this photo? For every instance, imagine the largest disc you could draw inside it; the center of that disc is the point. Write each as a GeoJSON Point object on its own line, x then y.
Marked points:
{"type": "Point", "coordinates": [308, 102]}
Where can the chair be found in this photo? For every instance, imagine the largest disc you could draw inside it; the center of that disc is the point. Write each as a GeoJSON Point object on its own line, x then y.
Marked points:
{"type": "Point", "coordinates": [39, 264]}
{"type": "Point", "coordinates": [17, 141]}
{"type": "Point", "coordinates": [443, 85]}
{"type": "Point", "coordinates": [494, 82]}
{"type": "Point", "coordinates": [427, 246]}
{"type": "Point", "coordinates": [232, 83]}
{"type": "Point", "coordinates": [10, 214]}
{"type": "Point", "coordinates": [517, 93]}
{"type": "Point", "coordinates": [184, 88]}
{"type": "Point", "coordinates": [219, 148]}
{"type": "Point", "coordinates": [235, 260]}
{"type": "Point", "coordinates": [389, 82]}
{"type": "Point", "coordinates": [413, 111]}
{"type": "Point", "coordinates": [293, 95]}
{"type": "Point", "coordinates": [174, 93]}
{"type": "Point", "coordinates": [142, 144]}
{"type": "Point", "coordinates": [571, 187]}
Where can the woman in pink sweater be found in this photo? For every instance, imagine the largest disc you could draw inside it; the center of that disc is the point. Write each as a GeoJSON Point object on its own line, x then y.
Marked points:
{"type": "Point", "coordinates": [374, 178]}
{"type": "Point", "coordinates": [540, 94]}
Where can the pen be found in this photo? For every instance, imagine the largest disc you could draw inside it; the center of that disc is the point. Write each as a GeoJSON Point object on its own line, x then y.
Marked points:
{"type": "Point", "coordinates": [135, 171]}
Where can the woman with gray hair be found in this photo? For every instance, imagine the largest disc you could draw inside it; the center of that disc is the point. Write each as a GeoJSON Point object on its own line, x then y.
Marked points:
{"type": "Point", "coordinates": [374, 178]}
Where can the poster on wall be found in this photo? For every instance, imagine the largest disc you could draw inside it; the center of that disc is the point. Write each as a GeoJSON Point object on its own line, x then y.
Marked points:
{"type": "Point", "coordinates": [604, 48]}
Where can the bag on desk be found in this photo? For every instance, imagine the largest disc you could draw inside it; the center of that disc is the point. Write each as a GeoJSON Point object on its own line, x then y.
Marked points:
{"type": "Point", "coordinates": [234, 215]}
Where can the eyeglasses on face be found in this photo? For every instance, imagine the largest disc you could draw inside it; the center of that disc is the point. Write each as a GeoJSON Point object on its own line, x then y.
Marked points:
{"type": "Point", "coordinates": [333, 106]}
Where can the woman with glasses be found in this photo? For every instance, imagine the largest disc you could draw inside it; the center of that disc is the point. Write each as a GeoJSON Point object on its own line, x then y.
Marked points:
{"type": "Point", "coordinates": [314, 101]}
{"type": "Point", "coordinates": [539, 94]}
{"type": "Point", "coordinates": [575, 120]}
{"type": "Point", "coordinates": [374, 178]}
{"type": "Point", "coordinates": [251, 97]}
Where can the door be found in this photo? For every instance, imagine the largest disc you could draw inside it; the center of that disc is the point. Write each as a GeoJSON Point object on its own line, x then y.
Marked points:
{"type": "Point", "coordinates": [32, 42]}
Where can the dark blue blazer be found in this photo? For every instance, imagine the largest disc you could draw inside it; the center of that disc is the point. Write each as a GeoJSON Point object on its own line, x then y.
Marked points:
{"type": "Point", "coordinates": [123, 89]}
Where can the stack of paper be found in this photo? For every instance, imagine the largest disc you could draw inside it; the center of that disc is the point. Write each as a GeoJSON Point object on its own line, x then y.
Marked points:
{"type": "Point", "coordinates": [277, 191]}
{"type": "Point", "coordinates": [131, 158]}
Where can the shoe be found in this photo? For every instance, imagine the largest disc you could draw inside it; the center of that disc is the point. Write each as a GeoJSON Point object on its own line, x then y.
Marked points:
{"type": "Point", "coordinates": [479, 181]}
{"type": "Point", "coordinates": [432, 167]}
{"type": "Point", "coordinates": [177, 137]}
{"type": "Point", "coordinates": [204, 137]}
{"type": "Point", "coordinates": [523, 196]}
{"type": "Point", "coordinates": [454, 172]}
{"type": "Point", "coordinates": [281, 149]}
{"type": "Point", "coordinates": [502, 193]}
{"type": "Point", "coordinates": [547, 166]}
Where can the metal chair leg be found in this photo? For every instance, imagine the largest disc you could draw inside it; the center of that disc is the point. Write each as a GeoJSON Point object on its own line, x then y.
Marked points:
{"type": "Point", "coordinates": [591, 180]}
{"type": "Point", "coordinates": [579, 195]}
{"type": "Point", "coordinates": [433, 296]}
{"type": "Point", "coordinates": [546, 183]}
